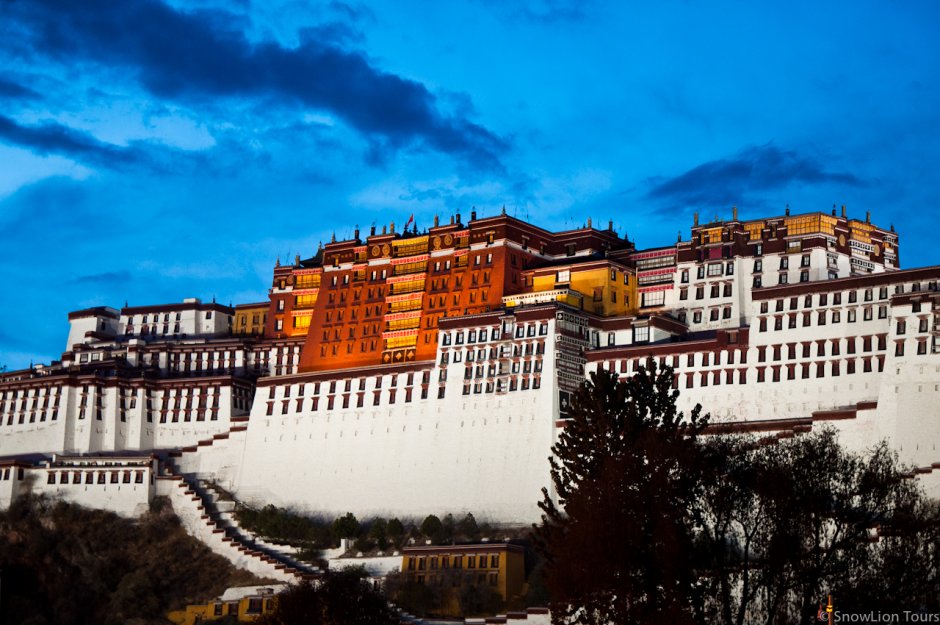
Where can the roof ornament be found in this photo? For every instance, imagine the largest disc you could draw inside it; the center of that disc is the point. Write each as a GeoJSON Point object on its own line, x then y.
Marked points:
{"type": "Point", "coordinates": [333, 237]}
{"type": "Point", "coordinates": [843, 210]}
{"type": "Point", "coordinates": [694, 219]}
{"type": "Point", "coordinates": [504, 209]}
{"type": "Point", "coordinates": [734, 213]}
{"type": "Point", "coordinates": [833, 210]}
{"type": "Point", "coordinates": [787, 211]}
{"type": "Point", "coordinates": [277, 263]}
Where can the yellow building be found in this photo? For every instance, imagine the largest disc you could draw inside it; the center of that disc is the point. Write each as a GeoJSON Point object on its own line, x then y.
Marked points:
{"type": "Point", "coordinates": [246, 603]}
{"type": "Point", "coordinates": [500, 566]}
{"type": "Point", "coordinates": [250, 319]}
{"type": "Point", "coordinates": [603, 287]}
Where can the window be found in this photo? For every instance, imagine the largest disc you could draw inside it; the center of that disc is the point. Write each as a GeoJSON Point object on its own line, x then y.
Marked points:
{"type": "Point", "coordinates": [684, 276]}
{"type": "Point", "coordinates": [641, 334]}
{"type": "Point", "coordinates": [783, 279]}
{"type": "Point", "coordinates": [902, 327]}
{"type": "Point", "coordinates": [653, 298]}
{"type": "Point", "coordinates": [700, 273]}
{"type": "Point", "coordinates": [758, 266]}
{"type": "Point", "coordinates": [563, 276]}
{"type": "Point", "coordinates": [785, 262]}
{"type": "Point", "coordinates": [756, 282]}
{"type": "Point", "coordinates": [715, 269]}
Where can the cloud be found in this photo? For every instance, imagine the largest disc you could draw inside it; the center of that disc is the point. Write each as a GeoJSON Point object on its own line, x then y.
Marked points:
{"type": "Point", "coordinates": [753, 170]}
{"type": "Point", "coordinates": [202, 55]}
{"type": "Point", "coordinates": [545, 12]}
{"type": "Point", "coordinates": [15, 91]}
{"type": "Point", "coordinates": [108, 278]}
{"type": "Point", "coordinates": [54, 138]}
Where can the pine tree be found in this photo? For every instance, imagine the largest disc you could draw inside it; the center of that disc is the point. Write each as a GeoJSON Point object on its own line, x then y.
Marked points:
{"type": "Point", "coordinates": [617, 535]}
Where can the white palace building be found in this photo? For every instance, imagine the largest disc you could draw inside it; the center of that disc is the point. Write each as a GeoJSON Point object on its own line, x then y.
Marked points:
{"type": "Point", "coordinates": [407, 373]}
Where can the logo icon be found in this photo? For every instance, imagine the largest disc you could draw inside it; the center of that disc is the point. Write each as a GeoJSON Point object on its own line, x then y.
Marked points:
{"type": "Point", "coordinates": [824, 614]}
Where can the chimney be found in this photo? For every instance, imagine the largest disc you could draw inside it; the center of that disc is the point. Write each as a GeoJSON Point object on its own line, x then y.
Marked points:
{"type": "Point", "coordinates": [843, 210]}
{"type": "Point", "coordinates": [437, 221]}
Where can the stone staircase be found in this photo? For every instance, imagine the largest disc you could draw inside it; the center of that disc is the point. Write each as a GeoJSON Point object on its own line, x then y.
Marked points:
{"type": "Point", "coordinates": [211, 520]}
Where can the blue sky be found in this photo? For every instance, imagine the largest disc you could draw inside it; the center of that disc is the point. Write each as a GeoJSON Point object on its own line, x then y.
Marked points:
{"type": "Point", "coordinates": [152, 151]}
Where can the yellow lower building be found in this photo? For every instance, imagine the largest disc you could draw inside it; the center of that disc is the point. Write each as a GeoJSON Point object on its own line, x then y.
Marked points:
{"type": "Point", "coordinates": [246, 603]}
{"type": "Point", "coordinates": [500, 566]}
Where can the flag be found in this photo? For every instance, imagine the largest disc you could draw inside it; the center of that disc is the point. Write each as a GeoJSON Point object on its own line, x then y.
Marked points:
{"type": "Point", "coordinates": [410, 221]}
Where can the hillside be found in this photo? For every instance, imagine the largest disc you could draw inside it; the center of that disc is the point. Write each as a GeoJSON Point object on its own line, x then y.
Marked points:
{"type": "Point", "coordinates": [64, 564]}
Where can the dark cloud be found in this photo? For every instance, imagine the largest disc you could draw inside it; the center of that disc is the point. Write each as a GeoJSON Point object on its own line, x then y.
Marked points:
{"type": "Point", "coordinates": [757, 169]}
{"type": "Point", "coordinates": [108, 278]}
{"type": "Point", "coordinates": [202, 55]}
{"type": "Point", "coordinates": [54, 138]}
{"type": "Point", "coordinates": [15, 91]}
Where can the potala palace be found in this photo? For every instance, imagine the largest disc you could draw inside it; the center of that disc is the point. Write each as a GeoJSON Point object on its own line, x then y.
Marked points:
{"type": "Point", "coordinates": [406, 372]}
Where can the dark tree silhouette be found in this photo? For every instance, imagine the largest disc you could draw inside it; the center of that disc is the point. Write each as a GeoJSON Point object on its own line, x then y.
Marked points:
{"type": "Point", "coordinates": [338, 598]}
{"type": "Point", "coordinates": [618, 542]}
{"type": "Point", "coordinates": [786, 525]}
